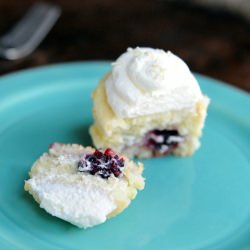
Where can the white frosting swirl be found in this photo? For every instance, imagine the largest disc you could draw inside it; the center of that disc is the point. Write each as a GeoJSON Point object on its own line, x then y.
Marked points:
{"type": "Point", "coordinates": [145, 81]}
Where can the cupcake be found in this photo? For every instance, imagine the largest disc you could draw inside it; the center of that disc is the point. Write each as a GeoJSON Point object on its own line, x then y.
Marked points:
{"type": "Point", "coordinates": [82, 185]}
{"type": "Point", "coordinates": [149, 104]}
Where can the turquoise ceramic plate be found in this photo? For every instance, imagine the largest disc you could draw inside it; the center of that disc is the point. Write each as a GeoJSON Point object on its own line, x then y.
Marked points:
{"type": "Point", "coordinates": [201, 202]}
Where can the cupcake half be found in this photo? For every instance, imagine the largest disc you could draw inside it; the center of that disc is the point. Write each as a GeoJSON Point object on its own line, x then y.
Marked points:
{"type": "Point", "coordinates": [82, 185]}
{"type": "Point", "coordinates": [149, 104]}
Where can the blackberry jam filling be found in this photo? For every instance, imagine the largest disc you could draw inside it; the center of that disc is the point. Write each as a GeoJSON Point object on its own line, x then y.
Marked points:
{"type": "Point", "coordinates": [163, 142]}
{"type": "Point", "coordinates": [101, 163]}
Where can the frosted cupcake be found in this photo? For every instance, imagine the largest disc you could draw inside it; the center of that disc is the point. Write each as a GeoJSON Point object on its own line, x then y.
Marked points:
{"type": "Point", "coordinates": [149, 104]}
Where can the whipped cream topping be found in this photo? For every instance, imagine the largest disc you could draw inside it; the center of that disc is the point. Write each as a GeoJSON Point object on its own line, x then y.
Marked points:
{"type": "Point", "coordinates": [80, 201]}
{"type": "Point", "coordinates": [145, 81]}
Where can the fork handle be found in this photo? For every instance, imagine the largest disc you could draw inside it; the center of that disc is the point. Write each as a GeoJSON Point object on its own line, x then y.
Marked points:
{"type": "Point", "coordinates": [29, 31]}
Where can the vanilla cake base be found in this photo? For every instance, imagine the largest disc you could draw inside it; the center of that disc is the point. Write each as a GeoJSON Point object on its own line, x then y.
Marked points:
{"type": "Point", "coordinates": [127, 135]}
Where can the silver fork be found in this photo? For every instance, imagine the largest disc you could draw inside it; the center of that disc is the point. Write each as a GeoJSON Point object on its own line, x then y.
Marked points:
{"type": "Point", "coordinates": [29, 32]}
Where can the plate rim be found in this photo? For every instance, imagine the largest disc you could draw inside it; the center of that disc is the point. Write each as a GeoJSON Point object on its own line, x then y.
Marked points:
{"type": "Point", "coordinates": [51, 66]}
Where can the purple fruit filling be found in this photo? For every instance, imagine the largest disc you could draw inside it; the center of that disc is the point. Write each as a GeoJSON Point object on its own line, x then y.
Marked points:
{"type": "Point", "coordinates": [163, 142]}
{"type": "Point", "coordinates": [101, 163]}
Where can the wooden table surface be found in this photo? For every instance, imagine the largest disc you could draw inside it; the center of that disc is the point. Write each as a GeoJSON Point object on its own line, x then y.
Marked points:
{"type": "Point", "coordinates": [212, 42]}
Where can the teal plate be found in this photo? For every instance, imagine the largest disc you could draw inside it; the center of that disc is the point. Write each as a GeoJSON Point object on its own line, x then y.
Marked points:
{"type": "Point", "coordinates": [200, 202]}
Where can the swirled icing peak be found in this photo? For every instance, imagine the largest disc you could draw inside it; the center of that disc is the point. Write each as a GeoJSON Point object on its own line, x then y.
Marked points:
{"type": "Point", "coordinates": [145, 81]}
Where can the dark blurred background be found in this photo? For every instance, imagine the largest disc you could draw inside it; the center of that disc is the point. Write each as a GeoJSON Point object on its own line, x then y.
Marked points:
{"type": "Point", "coordinates": [214, 39]}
